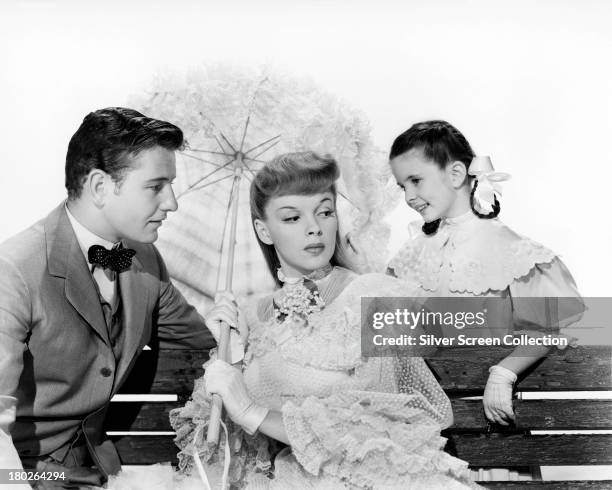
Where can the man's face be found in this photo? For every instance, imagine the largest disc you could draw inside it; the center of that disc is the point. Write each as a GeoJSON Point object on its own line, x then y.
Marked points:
{"type": "Point", "coordinates": [136, 207]}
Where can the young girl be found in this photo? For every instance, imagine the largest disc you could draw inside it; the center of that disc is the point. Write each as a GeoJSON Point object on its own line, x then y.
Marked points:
{"type": "Point", "coordinates": [465, 250]}
{"type": "Point", "coordinates": [306, 409]}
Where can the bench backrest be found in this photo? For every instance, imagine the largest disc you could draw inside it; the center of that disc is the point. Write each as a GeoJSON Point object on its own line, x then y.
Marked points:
{"type": "Point", "coordinates": [461, 372]}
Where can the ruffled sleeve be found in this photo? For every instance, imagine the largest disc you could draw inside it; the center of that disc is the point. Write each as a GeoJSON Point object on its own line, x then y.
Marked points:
{"type": "Point", "coordinates": [560, 304]}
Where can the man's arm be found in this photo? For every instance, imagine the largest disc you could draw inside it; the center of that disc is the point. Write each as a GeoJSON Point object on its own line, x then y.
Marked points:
{"type": "Point", "coordinates": [15, 315]}
{"type": "Point", "coordinates": [179, 325]}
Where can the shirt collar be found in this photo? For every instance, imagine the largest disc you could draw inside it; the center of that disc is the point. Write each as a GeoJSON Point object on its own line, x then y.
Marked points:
{"type": "Point", "coordinates": [461, 219]}
{"type": "Point", "coordinates": [85, 237]}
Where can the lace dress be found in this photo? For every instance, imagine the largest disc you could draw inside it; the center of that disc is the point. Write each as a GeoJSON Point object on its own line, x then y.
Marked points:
{"type": "Point", "coordinates": [352, 422]}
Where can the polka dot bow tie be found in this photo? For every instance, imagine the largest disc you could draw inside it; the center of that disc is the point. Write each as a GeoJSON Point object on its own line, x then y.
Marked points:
{"type": "Point", "coordinates": [117, 259]}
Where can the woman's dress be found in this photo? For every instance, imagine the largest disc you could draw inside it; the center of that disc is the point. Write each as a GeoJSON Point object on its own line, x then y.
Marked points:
{"type": "Point", "coordinates": [352, 422]}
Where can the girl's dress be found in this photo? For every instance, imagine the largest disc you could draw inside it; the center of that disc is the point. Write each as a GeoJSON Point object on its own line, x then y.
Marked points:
{"type": "Point", "coordinates": [470, 256]}
{"type": "Point", "coordinates": [352, 422]}
{"type": "Point", "coordinates": [473, 257]}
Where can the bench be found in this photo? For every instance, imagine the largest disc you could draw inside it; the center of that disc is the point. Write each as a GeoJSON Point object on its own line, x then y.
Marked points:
{"type": "Point", "coordinates": [461, 372]}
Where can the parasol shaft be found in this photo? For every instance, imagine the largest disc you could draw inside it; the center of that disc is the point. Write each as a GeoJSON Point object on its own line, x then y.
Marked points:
{"type": "Point", "coordinates": [212, 436]}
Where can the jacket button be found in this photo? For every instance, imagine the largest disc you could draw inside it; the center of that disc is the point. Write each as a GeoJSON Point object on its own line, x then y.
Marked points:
{"type": "Point", "coordinates": [106, 372]}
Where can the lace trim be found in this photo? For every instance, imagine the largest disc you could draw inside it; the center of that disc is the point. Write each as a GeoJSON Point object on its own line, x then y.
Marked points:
{"type": "Point", "coordinates": [190, 422]}
{"type": "Point", "coordinates": [482, 255]}
{"type": "Point", "coordinates": [332, 338]}
{"type": "Point", "coordinates": [368, 442]}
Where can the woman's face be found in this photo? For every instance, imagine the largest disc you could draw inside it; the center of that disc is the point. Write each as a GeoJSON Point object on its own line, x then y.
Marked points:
{"type": "Point", "coordinates": [302, 230]}
{"type": "Point", "coordinates": [428, 189]}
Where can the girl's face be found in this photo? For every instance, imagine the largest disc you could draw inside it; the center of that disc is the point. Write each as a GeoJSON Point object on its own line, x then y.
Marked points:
{"type": "Point", "coordinates": [302, 230]}
{"type": "Point", "coordinates": [429, 189]}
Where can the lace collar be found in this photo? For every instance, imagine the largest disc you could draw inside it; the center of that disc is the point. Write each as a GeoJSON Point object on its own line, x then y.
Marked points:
{"type": "Point", "coordinates": [315, 275]}
{"type": "Point", "coordinates": [469, 255]}
{"type": "Point", "coordinates": [460, 220]}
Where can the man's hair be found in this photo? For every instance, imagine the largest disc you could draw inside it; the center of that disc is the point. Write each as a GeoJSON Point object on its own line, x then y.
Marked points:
{"type": "Point", "coordinates": [107, 137]}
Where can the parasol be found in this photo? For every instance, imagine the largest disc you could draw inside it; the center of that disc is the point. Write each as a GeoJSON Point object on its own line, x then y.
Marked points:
{"type": "Point", "coordinates": [236, 119]}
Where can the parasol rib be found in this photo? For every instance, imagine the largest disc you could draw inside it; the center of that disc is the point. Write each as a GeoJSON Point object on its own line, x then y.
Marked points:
{"type": "Point", "coordinates": [246, 127]}
{"type": "Point", "coordinates": [266, 149]}
{"type": "Point", "coordinates": [202, 159]}
{"type": "Point", "coordinates": [255, 159]}
{"type": "Point", "coordinates": [249, 169]}
{"type": "Point", "coordinates": [203, 186]}
{"type": "Point", "coordinates": [211, 152]}
{"type": "Point", "coordinates": [207, 175]}
{"type": "Point", "coordinates": [227, 141]}
{"type": "Point", "coordinates": [261, 144]}
{"type": "Point", "coordinates": [219, 143]}
{"type": "Point", "coordinates": [348, 200]}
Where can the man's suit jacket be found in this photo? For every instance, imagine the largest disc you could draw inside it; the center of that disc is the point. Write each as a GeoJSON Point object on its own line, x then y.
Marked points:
{"type": "Point", "coordinates": [55, 354]}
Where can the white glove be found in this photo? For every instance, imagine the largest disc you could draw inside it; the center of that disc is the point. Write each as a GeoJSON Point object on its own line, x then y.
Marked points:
{"type": "Point", "coordinates": [497, 397]}
{"type": "Point", "coordinates": [226, 310]}
{"type": "Point", "coordinates": [227, 381]}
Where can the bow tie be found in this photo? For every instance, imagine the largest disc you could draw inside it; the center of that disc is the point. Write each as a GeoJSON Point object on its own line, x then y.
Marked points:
{"type": "Point", "coordinates": [117, 259]}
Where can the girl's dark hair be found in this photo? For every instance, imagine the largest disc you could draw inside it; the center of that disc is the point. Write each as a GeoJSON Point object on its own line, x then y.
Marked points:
{"type": "Point", "coordinates": [303, 173]}
{"type": "Point", "coordinates": [442, 143]}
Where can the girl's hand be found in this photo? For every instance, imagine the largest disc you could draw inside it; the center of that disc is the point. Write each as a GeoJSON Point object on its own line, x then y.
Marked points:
{"type": "Point", "coordinates": [227, 382]}
{"type": "Point", "coordinates": [497, 398]}
{"type": "Point", "coordinates": [226, 310]}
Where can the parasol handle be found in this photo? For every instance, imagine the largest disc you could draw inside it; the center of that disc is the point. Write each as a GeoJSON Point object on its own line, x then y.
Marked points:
{"type": "Point", "coordinates": [212, 436]}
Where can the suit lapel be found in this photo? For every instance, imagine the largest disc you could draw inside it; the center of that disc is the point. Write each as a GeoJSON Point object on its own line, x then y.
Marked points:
{"type": "Point", "coordinates": [66, 259]}
{"type": "Point", "coordinates": [134, 300]}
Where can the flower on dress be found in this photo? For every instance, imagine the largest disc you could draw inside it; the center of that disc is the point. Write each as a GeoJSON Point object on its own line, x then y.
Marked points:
{"type": "Point", "coordinates": [298, 303]}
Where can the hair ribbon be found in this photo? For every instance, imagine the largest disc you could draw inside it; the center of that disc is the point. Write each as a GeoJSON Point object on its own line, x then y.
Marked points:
{"type": "Point", "coordinates": [488, 181]}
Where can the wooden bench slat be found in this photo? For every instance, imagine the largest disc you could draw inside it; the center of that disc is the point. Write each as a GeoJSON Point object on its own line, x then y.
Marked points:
{"type": "Point", "coordinates": [585, 368]}
{"type": "Point", "coordinates": [550, 485]}
{"type": "Point", "coordinates": [478, 450]}
{"type": "Point", "coordinates": [139, 416]}
{"type": "Point", "coordinates": [519, 450]}
{"type": "Point", "coordinates": [465, 370]}
{"type": "Point", "coordinates": [468, 414]}
{"type": "Point", "coordinates": [145, 449]}
{"type": "Point", "coordinates": [167, 371]}
{"type": "Point", "coordinates": [540, 414]}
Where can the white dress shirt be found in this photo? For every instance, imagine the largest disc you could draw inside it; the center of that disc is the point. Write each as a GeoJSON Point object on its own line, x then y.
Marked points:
{"type": "Point", "coordinates": [86, 239]}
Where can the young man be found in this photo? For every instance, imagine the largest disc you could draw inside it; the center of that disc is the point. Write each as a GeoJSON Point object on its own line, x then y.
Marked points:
{"type": "Point", "coordinates": [83, 291]}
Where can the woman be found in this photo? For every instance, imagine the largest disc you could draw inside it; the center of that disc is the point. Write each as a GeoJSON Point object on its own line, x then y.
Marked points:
{"type": "Point", "coordinates": [306, 410]}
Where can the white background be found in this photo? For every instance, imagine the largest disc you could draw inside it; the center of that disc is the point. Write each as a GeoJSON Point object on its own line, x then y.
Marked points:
{"type": "Point", "coordinates": [527, 82]}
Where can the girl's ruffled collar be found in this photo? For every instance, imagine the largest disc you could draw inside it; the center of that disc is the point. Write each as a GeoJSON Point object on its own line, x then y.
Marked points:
{"type": "Point", "coordinates": [459, 220]}
{"type": "Point", "coordinates": [469, 255]}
